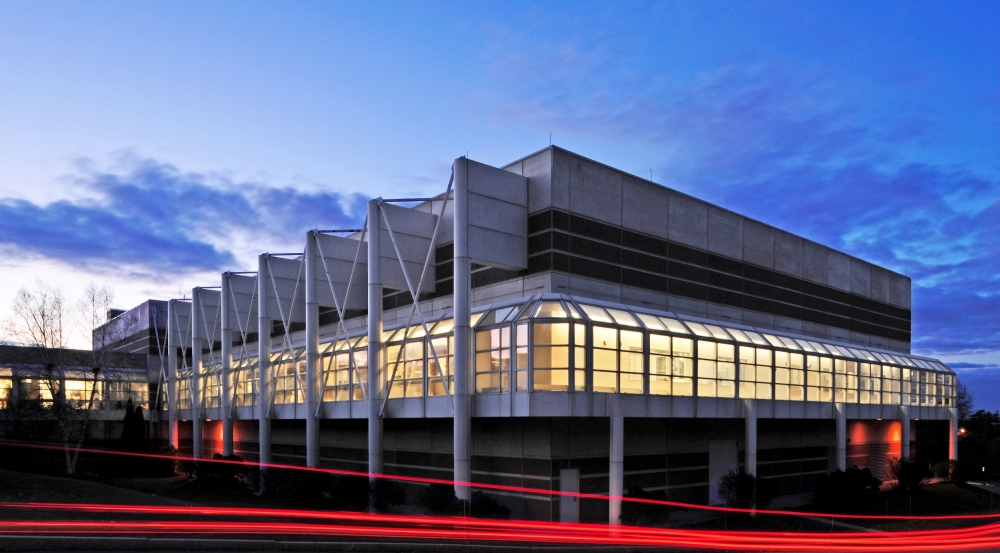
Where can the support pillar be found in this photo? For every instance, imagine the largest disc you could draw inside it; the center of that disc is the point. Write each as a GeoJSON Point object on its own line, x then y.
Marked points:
{"type": "Point", "coordinates": [225, 300]}
{"type": "Point", "coordinates": [841, 436]}
{"type": "Point", "coordinates": [265, 380]}
{"type": "Point", "coordinates": [374, 346]}
{"type": "Point", "coordinates": [750, 436]}
{"type": "Point", "coordinates": [616, 468]}
{"type": "Point", "coordinates": [196, 375]}
{"type": "Point", "coordinates": [312, 354]}
{"type": "Point", "coordinates": [953, 434]}
{"type": "Point", "coordinates": [172, 345]}
{"type": "Point", "coordinates": [904, 438]}
{"type": "Point", "coordinates": [463, 333]}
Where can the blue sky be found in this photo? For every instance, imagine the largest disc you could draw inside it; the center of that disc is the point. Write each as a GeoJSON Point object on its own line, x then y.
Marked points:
{"type": "Point", "coordinates": [152, 145]}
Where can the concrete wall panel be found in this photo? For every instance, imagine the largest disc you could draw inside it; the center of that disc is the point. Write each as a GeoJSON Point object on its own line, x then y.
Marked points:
{"type": "Point", "coordinates": [595, 191]}
{"type": "Point", "coordinates": [879, 284]}
{"type": "Point", "coordinates": [788, 253]}
{"type": "Point", "coordinates": [861, 275]}
{"type": "Point", "coordinates": [725, 233]}
{"type": "Point", "coordinates": [688, 222]}
{"type": "Point", "coordinates": [758, 244]}
{"type": "Point", "coordinates": [838, 270]}
{"type": "Point", "coordinates": [815, 262]}
{"type": "Point", "coordinates": [645, 206]}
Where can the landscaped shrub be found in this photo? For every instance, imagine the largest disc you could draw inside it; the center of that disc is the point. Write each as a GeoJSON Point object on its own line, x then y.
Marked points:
{"type": "Point", "coordinates": [484, 506]}
{"type": "Point", "coordinates": [439, 499]}
{"type": "Point", "coordinates": [349, 493]}
{"type": "Point", "coordinates": [909, 475]}
{"type": "Point", "coordinates": [642, 514]}
{"type": "Point", "coordinates": [841, 489]}
{"type": "Point", "coordinates": [744, 490]}
{"type": "Point", "coordinates": [386, 494]}
{"type": "Point", "coordinates": [229, 475]}
{"type": "Point", "coordinates": [299, 487]}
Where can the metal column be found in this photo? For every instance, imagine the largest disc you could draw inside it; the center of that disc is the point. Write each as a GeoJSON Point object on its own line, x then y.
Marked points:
{"type": "Point", "coordinates": [196, 373]}
{"type": "Point", "coordinates": [264, 370]}
{"type": "Point", "coordinates": [374, 343]}
{"type": "Point", "coordinates": [841, 436]}
{"type": "Point", "coordinates": [463, 332]}
{"type": "Point", "coordinates": [172, 344]}
{"type": "Point", "coordinates": [953, 434]}
{"type": "Point", "coordinates": [750, 438]}
{"type": "Point", "coordinates": [904, 441]}
{"type": "Point", "coordinates": [312, 354]}
{"type": "Point", "coordinates": [616, 469]}
{"type": "Point", "coordinates": [227, 366]}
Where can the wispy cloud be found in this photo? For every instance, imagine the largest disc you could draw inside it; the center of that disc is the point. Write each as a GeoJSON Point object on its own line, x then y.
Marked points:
{"type": "Point", "coordinates": [796, 148]}
{"type": "Point", "coordinates": [152, 217]}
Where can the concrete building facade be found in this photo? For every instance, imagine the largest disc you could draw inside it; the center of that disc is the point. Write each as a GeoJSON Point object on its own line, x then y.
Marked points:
{"type": "Point", "coordinates": [557, 324]}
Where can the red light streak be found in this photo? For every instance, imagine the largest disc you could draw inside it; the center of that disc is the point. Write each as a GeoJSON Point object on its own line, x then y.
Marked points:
{"type": "Point", "coordinates": [523, 490]}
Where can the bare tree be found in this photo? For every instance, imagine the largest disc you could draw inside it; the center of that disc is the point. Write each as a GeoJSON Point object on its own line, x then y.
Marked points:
{"type": "Point", "coordinates": [964, 401]}
{"type": "Point", "coordinates": [105, 333]}
{"type": "Point", "coordinates": [40, 322]}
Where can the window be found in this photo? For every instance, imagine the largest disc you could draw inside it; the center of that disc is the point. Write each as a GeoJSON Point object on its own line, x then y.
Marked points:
{"type": "Point", "coordinates": [245, 375]}
{"type": "Point", "coordinates": [550, 357]}
{"type": "Point", "coordinates": [755, 373]}
{"type": "Point", "coordinates": [618, 360]}
{"type": "Point", "coordinates": [580, 357]}
{"type": "Point", "coordinates": [845, 380]}
{"type": "Point", "coordinates": [670, 365]}
{"type": "Point", "coordinates": [891, 385]}
{"type": "Point", "coordinates": [437, 377]}
{"type": "Point", "coordinates": [716, 369]}
{"type": "Point", "coordinates": [870, 384]}
{"type": "Point", "coordinates": [819, 378]}
{"type": "Point", "coordinates": [493, 361]}
{"type": "Point", "coordinates": [911, 387]}
{"type": "Point", "coordinates": [406, 369]}
{"type": "Point", "coordinates": [789, 375]}
{"type": "Point", "coordinates": [337, 375]}
{"type": "Point", "coordinates": [289, 374]}
{"type": "Point", "coordinates": [521, 357]}
{"type": "Point", "coordinates": [212, 386]}
{"type": "Point", "coordinates": [6, 392]}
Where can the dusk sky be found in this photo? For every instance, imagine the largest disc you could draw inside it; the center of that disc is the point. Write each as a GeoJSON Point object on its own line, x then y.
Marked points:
{"type": "Point", "coordinates": [152, 145]}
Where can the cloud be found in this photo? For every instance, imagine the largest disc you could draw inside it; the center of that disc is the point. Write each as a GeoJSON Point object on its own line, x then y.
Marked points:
{"type": "Point", "coordinates": [794, 147]}
{"type": "Point", "coordinates": [151, 217]}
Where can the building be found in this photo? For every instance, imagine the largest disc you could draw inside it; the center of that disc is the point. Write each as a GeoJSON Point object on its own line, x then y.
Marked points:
{"type": "Point", "coordinates": [558, 324]}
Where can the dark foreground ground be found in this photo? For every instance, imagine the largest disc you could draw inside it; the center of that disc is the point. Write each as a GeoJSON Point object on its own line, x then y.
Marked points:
{"type": "Point", "coordinates": [17, 487]}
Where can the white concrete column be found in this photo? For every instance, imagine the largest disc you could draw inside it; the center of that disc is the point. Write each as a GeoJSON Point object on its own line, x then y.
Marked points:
{"type": "Point", "coordinates": [953, 434]}
{"type": "Point", "coordinates": [463, 333]}
{"type": "Point", "coordinates": [904, 438]}
{"type": "Point", "coordinates": [264, 370]}
{"type": "Point", "coordinates": [225, 300]}
{"type": "Point", "coordinates": [616, 465]}
{"type": "Point", "coordinates": [750, 436]}
{"type": "Point", "coordinates": [374, 343]}
{"type": "Point", "coordinates": [841, 436]}
{"type": "Point", "coordinates": [196, 375]}
{"type": "Point", "coordinates": [312, 354]}
{"type": "Point", "coordinates": [173, 342]}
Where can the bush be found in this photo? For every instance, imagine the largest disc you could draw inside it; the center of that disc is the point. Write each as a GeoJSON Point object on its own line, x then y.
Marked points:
{"type": "Point", "coordinates": [349, 493]}
{"type": "Point", "coordinates": [909, 475]}
{"type": "Point", "coordinates": [386, 494]}
{"type": "Point", "coordinates": [946, 469]}
{"type": "Point", "coordinates": [439, 499]}
{"type": "Point", "coordinates": [846, 488]}
{"type": "Point", "coordinates": [642, 514]}
{"type": "Point", "coordinates": [745, 491]}
{"type": "Point", "coordinates": [223, 475]}
{"type": "Point", "coordinates": [484, 506]}
{"type": "Point", "coordinates": [300, 488]}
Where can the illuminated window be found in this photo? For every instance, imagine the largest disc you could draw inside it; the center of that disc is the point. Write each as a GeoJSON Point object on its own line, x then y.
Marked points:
{"type": "Point", "coordinates": [911, 386]}
{"type": "Point", "coordinates": [6, 392]}
{"type": "Point", "coordinates": [789, 375]}
{"type": "Point", "coordinates": [845, 381]}
{"type": "Point", "coordinates": [521, 357]}
{"type": "Point", "coordinates": [245, 376]}
{"type": "Point", "coordinates": [671, 368]}
{"type": "Point", "coordinates": [338, 370]}
{"type": "Point", "coordinates": [618, 360]}
{"type": "Point", "coordinates": [212, 387]}
{"type": "Point", "coordinates": [289, 374]}
{"type": "Point", "coordinates": [493, 360]}
{"type": "Point", "coordinates": [443, 347]}
{"type": "Point", "coordinates": [755, 373]}
{"type": "Point", "coordinates": [406, 369]}
{"type": "Point", "coordinates": [870, 384]}
{"type": "Point", "coordinates": [891, 385]}
{"type": "Point", "coordinates": [819, 378]}
{"type": "Point", "coordinates": [716, 369]}
{"type": "Point", "coordinates": [550, 357]}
